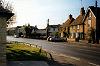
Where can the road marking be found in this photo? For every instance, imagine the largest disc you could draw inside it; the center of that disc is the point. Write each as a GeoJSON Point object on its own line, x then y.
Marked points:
{"type": "Point", "coordinates": [75, 58]}
{"type": "Point", "coordinates": [89, 50]}
{"type": "Point", "coordinates": [72, 57]}
{"type": "Point", "coordinates": [60, 54]}
{"type": "Point", "coordinates": [93, 64]}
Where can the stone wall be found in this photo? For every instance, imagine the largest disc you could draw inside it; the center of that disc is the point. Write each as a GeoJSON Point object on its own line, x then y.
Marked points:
{"type": "Point", "coordinates": [2, 41]}
{"type": "Point", "coordinates": [2, 30]}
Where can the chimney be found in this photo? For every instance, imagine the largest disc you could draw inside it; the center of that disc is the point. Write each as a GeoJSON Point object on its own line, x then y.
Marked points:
{"type": "Point", "coordinates": [70, 16]}
{"type": "Point", "coordinates": [48, 22]}
{"type": "Point", "coordinates": [82, 11]}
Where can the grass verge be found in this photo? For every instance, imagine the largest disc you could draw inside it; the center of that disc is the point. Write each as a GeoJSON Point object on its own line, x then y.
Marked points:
{"type": "Point", "coordinates": [22, 52]}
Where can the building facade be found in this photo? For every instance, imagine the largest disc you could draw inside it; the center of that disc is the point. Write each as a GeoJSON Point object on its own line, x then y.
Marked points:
{"type": "Point", "coordinates": [51, 30]}
{"type": "Point", "coordinates": [76, 29]}
{"type": "Point", "coordinates": [92, 22]}
{"type": "Point", "coordinates": [65, 27]}
{"type": "Point", "coordinates": [85, 26]}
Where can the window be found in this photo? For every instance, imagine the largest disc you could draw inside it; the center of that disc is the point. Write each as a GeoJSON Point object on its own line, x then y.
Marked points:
{"type": "Point", "coordinates": [78, 26]}
{"type": "Point", "coordinates": [89, 23]}
{"type": "Point", "coordinates": [73, 27]}
{"type": "Point", "coordinates": [90, 15]}
{"type": "Point", "coordinates": [53, 29]}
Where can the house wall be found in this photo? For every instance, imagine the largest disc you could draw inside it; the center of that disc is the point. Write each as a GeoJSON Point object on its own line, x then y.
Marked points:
{"type": "Point", "coordinates": [61, 31]}
{"type": "Point", "coordinates": [93, 23]}
{"type": "Point", "coordinates": [52, 30]}
{"type": "Point", "coordinates": [73, 30]}
{"type": "Point", "coordinates": [76, 29]}
{"type": "Point", "coordinates": [80, 28]}
{"type": "Point", "coordinates": [41, 31]}
{"type": "Point", "coordinates": [80, 31]}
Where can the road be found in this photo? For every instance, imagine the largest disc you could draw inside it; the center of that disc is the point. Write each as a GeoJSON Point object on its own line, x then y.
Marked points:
{"type": "Point", "coordinates": [92, 55]}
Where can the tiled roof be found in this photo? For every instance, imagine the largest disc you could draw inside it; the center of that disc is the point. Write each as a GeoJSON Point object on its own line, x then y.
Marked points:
{"type": "Point", "coordinates": [78, 20]}
{"type": "Point", "coordinates": [96, 11]}
{"type": "Point", "coordinates": [68, 22]}
{"type": "Point", "coordinates": [54, 26]}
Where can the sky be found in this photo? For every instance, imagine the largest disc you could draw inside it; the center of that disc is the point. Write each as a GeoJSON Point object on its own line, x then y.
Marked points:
{"type": "Point", "coordinates": [36, 12]}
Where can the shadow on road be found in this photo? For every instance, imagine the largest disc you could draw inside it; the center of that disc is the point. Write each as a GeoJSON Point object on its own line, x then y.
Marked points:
{"type": "Point", "coordinates": [52, 62]}
{"type": "Point", "coordinates": [56, 63]}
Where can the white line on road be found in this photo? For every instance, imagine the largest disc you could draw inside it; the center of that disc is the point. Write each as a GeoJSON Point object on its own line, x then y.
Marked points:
{"type": "Point", "coordinates": [72, 57]}
{"type": "Point", "coordinates": [75, 58]}
{"type": "Point", "coordinates": [93, 64]}
{"type": "Point", "coordinates": [60, 54]}
{"type": "Point", "coordinates": [90, 50]}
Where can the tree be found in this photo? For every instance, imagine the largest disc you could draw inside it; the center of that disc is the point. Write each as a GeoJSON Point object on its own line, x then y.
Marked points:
{"type": "Point", "coordinates": [56, 33]}
{"type": "Point", "coordinates": [28, 30]}
{"type": "Point", "coordinates": [7, 8]}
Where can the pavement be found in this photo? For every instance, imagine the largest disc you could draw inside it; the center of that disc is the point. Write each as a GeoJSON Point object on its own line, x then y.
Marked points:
{"type": "Point", "coordinates": [27, 63]}
{"type": "Point", "coordinates": [83, 43]}
{"type": "Point", "coordinates": [2, 55]}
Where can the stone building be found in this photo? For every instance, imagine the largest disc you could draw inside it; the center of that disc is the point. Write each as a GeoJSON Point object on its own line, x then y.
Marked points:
{"type": "Point", "coordinates": [52, 29]}
{"type": "Point", "coordinates": [76, 29]}
{"type": "Point", "coordinates": [83, 24]}
{"type": "Point", "coordinates": [64, 28]}
{"type": "Point", "coordinates": [92, 21]}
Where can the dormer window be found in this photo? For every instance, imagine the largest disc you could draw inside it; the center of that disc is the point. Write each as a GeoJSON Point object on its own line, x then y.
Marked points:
{"type": "Point", "coordinates": [78, 26]}
{"type": "Point", "coordinates": [53, 29]}
{"type": "Point", "coordinates": [90, 15]}
{"type": "Point", "coordinates": [89, 23]}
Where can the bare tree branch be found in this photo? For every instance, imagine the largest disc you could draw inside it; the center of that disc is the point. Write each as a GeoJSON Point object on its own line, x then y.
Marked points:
{"type": "Point", "coordinates": [7, 7]}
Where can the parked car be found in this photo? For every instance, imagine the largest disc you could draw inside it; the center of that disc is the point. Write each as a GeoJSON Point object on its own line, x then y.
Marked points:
{"type": "Point", "coordinates": [16, 36]}
{"type": "Point", "coordinates": [48, 39]}
{"type": "Point", "coordinates": [56, 39]}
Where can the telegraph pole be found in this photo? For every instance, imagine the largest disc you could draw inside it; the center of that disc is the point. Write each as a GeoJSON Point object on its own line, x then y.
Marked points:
{"type": "Point", "coordinates": [47, 29]}
{"type": "Point", "coordinates": [97, 29]}
{"type": "Point", "coordinates": [81, 3]}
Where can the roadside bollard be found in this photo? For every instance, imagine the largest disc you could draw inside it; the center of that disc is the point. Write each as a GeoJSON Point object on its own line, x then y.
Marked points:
{"type": "Point", "coordinates": [40, 49]}
{"type": "Point", "coordinates": [30, 44]}
{"type": "Point", "coordinates": [51, 57]}
{"type": "Point", "coordinates": [36, 46]}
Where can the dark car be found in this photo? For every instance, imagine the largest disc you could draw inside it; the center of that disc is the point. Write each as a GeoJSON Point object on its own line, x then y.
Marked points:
{"type": "Point", "coordinates": [48, 39]}
{"type": "Point", "coordinates": [56, 39]}
{"type": "Point", "coordinates": [16, 36]}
